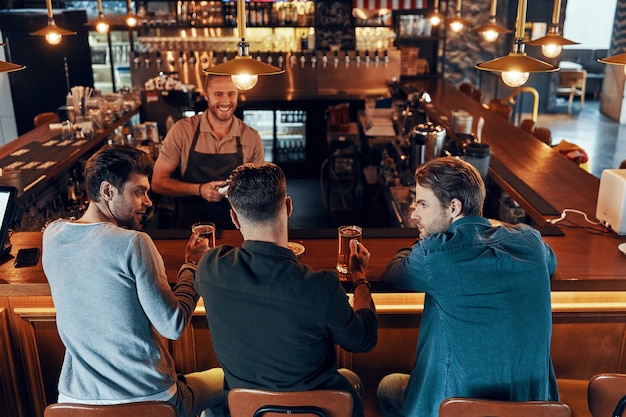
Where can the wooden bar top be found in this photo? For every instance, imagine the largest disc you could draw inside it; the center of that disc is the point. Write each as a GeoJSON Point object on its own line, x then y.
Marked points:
{"type": "Point", "coordinates": [586, 261]}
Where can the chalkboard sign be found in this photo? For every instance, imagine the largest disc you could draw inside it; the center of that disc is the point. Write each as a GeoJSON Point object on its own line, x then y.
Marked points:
{"type": "Point", "coordinates": [334, 25]}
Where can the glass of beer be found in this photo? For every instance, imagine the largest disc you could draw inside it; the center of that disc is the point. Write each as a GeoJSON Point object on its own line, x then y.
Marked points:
{"type": "Point", "coordinates": [346, 234]}
{"type": "Point", "coordinates": [206, 231]}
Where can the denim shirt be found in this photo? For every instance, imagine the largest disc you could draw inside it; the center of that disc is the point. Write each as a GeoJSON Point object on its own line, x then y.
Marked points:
{"type": "Point", "coordinates": [487, 321]}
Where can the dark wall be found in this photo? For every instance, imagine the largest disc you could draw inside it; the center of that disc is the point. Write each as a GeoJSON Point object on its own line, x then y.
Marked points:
{"type": "Point", "coordinates": [42, 86]}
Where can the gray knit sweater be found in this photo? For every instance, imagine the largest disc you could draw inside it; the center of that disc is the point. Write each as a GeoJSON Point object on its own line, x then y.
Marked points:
{"type": "Point", "coordinates": [113, 303]}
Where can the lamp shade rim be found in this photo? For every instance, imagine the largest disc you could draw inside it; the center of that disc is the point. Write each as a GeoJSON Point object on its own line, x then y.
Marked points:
{"type": "Point", "coordinates": [619, 59]}
{"type": "Point", "coordinates": [551, 39]}
{"type": "Point", "coordinates": [10, 67]}
{"type": "Point", "coordinates": [57, 29]}
{"type": "Point", "coordinates": [244, 64]}
{"type": "Point", "coordinates": [492, 27]}
{"type": "Point", "coordinates": [516, 62]}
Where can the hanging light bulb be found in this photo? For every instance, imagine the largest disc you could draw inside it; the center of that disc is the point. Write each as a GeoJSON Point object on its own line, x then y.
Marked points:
{"type": "Point", "coordinates": [491, 31]}
{"type": "Point", "coordinates": [457, 23]}
{"type": "Point", "coordinates": [552, 43]}
{"type": "Point", "coordinates": [101, 24]}
{"type": "Point", "coordinates": [243, 69]}
{"type": "Point", "coordinates": [516, 67]}
{"type": "Point", "coordinates": [52, 32]}
{"type": "Point", "coordinates": [435, 17]}
{"type": "Point", "coordinates": [131, 18]}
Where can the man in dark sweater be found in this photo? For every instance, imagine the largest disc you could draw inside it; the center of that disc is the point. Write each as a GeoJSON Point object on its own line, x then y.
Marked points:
{"type": "Point", "coordinates": [274, 321]}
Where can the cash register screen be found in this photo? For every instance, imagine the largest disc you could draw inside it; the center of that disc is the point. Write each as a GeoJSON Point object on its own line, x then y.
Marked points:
{"type": "Point", "coordinates": [8, 206]}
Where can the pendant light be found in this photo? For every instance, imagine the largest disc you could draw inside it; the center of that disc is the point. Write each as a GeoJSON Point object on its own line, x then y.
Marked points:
{"type": "Point", "coordinates": [243, 69]}
{"type": "Point", "coordinates": [457, 23]}
{"type": "Point", "coordinates": [552, 43]}
{"type": "Point", "coordinates": [491, 30]}
{"type": "Point", "coordinates": [619, 59]}
{"type": "Point", "coordinates": [516, 67]}
{"type": "Point", "coordinates": [52, 32]}
{"type": "Point", "coordinates": [435, 17]}
{"type": "Point", "coordinates": [9, 66]}
{"type": "Point", "coordinates": [131, 18]}
{"type": "Point", "coordinates": [101, 24]}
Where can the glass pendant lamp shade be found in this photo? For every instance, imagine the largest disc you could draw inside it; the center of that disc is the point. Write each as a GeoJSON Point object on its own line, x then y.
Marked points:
{"type": "Point", "coordinates": [491, 31]}
{"type": "Point", "coordinates": [552, 44]}
{"type": "Point", "coordinates": [516, 67]}
{"type": "Point", "coordinates": [243, 69]}
{"type": "Point", "coordinates": [52, 32]}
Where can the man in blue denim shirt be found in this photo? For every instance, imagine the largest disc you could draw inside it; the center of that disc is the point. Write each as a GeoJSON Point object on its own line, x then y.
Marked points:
{"type": "Point", "coordinates": [487, 321]}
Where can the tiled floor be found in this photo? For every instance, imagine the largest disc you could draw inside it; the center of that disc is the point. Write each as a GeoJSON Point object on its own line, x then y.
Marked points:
{"type": "Point", "coordinates": [603, 139]}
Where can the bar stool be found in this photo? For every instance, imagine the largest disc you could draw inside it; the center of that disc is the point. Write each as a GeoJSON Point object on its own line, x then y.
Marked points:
{"type": "Point", "coordinates": [44, 118]}
{"type": "Point", "coordinates": [527, 125]}
{"type": "Point", "coordinates": [140, 409]}
{"type": "Point", "coordinates": [606, 394]}
{"type": "Point", "coordinates": [501, 108]}
{"type": "Point", "coordinates": [543, 134]}
{"type": "Point", "coordinates": [245, 402]}
{"type": "Point", "coordinates": [470, 407]}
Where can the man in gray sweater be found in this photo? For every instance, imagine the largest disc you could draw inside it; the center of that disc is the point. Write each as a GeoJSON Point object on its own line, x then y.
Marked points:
{"type": "Point", "coordinates": [113, 301]}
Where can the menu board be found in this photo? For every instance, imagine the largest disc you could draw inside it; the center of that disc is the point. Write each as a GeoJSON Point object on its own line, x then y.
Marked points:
{"type": "Point", "coordinates": [334, 25]}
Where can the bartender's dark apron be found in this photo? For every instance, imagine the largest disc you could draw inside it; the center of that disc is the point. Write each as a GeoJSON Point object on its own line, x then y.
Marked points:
{"type": "Point", "coordinates": [202, 168]}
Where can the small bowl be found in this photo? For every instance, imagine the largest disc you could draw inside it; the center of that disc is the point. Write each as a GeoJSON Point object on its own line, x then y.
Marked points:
{"type": "Point", "coordinates": [622, 248]}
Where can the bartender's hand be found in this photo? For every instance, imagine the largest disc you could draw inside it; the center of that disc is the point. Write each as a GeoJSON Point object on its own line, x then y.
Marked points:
{"type": "Point", "coordinates": [195, 248]}
{"type": "Point", "coordinates": [359, 258]}
{"type": "Point", "coordinates": [209, 191]}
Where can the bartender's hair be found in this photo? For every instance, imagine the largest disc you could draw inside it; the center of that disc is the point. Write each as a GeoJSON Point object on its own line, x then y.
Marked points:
{"type": "Point", "coordinates": [257, 191]}
{"type": "Point", "coordinates": [211, 77]}
{"type": "Point", "coordinates": [450, 178]}
{"type": "Point", "coordinates": [115, 164]}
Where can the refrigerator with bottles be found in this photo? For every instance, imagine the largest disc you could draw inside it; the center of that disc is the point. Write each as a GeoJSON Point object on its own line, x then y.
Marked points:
{"type": "Point", "coordinates": [284, 135]}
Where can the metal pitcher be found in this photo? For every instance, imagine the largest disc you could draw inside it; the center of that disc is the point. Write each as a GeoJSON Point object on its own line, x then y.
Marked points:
{"type": "Point", "coordinates": [427, 140]}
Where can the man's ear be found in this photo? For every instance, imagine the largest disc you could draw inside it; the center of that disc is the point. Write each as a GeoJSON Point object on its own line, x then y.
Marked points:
{"type": "Point", "coordinates": [456, 207]}
{"type": "Point", "coordinates": [289, 204]}
{"type": "Point", "coordinates": [107, 190]}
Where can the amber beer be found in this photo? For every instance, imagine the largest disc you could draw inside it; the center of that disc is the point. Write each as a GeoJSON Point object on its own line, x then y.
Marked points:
{"type": "Point", "coordinates": [206, 231]}
{"type": "Point", "coordinates": [346, 233]}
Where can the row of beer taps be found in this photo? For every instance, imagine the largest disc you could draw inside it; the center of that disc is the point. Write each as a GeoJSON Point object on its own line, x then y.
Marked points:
{"type": "Point", "coordinates": [210, 59]}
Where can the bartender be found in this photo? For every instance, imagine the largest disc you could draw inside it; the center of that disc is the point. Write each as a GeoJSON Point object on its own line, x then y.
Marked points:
{"type": "Point", "coordinates": [199, 153]}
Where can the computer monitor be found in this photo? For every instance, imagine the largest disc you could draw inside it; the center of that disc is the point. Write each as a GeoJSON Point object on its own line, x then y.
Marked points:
{"type": "Point", "coordinates": [8, 212]}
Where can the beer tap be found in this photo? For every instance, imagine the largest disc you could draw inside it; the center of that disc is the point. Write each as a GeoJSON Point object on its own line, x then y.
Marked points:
{"type": "Point", "coordinates": [336, 59]}
{"type": "Point", "coordinates": [281, 60]}
{"type": "Point", "coordinates": [376, 58]}
{"type": "Point", "coordinates": [192, 58]}
{"type": "Point", "coordinates": [137, 60]}
{"type": "Point", "coordinates": [158, 60]}
{"type": "Point", "coordinates": [204, 59]}
{"type": "Point", "coordinates": [292, 59]}
{"type": "Point", "coordinates": [302, 61]}
{"type": "Point", "coordinates": [181, 58]}
{"type": "Point", "coordinates": [324, 60]}
{"type": "Point", "coordinates": [386, 58]}
{"type": "Point", "coordinates": [367, 57]}
{"type": "Point", "coordinates": [346, 59]}
{"type": "Point", "coordinates": [358, 59]}
{"type": "Point", "coordinates": [214, 60]}
{"type": "Point", "coordinates": [225, 57]}
{"type": "Point", "coordinates": [146, 61]}
{"type": "Point", "coordinates": [313, 60]}
{"type": "Point", "coordinates": [269, 59]}
{"type": "Point", "coordinates": [258, 56]}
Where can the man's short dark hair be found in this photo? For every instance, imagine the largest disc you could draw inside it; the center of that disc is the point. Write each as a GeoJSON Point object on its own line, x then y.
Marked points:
{"type": "Point", "coordinates": [115, 164]}
{"type": "Point", "coordinates": [257, 191]}
{"type": "Point", "coordinates": [450, 178]}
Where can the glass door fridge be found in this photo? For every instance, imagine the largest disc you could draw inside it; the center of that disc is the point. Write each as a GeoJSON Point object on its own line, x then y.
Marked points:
{"type": "Point", "coordinates": [284, 135]}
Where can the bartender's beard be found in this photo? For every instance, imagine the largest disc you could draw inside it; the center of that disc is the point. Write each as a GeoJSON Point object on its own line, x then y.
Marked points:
{"type": "Point", "coordinates": [222, 112]}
